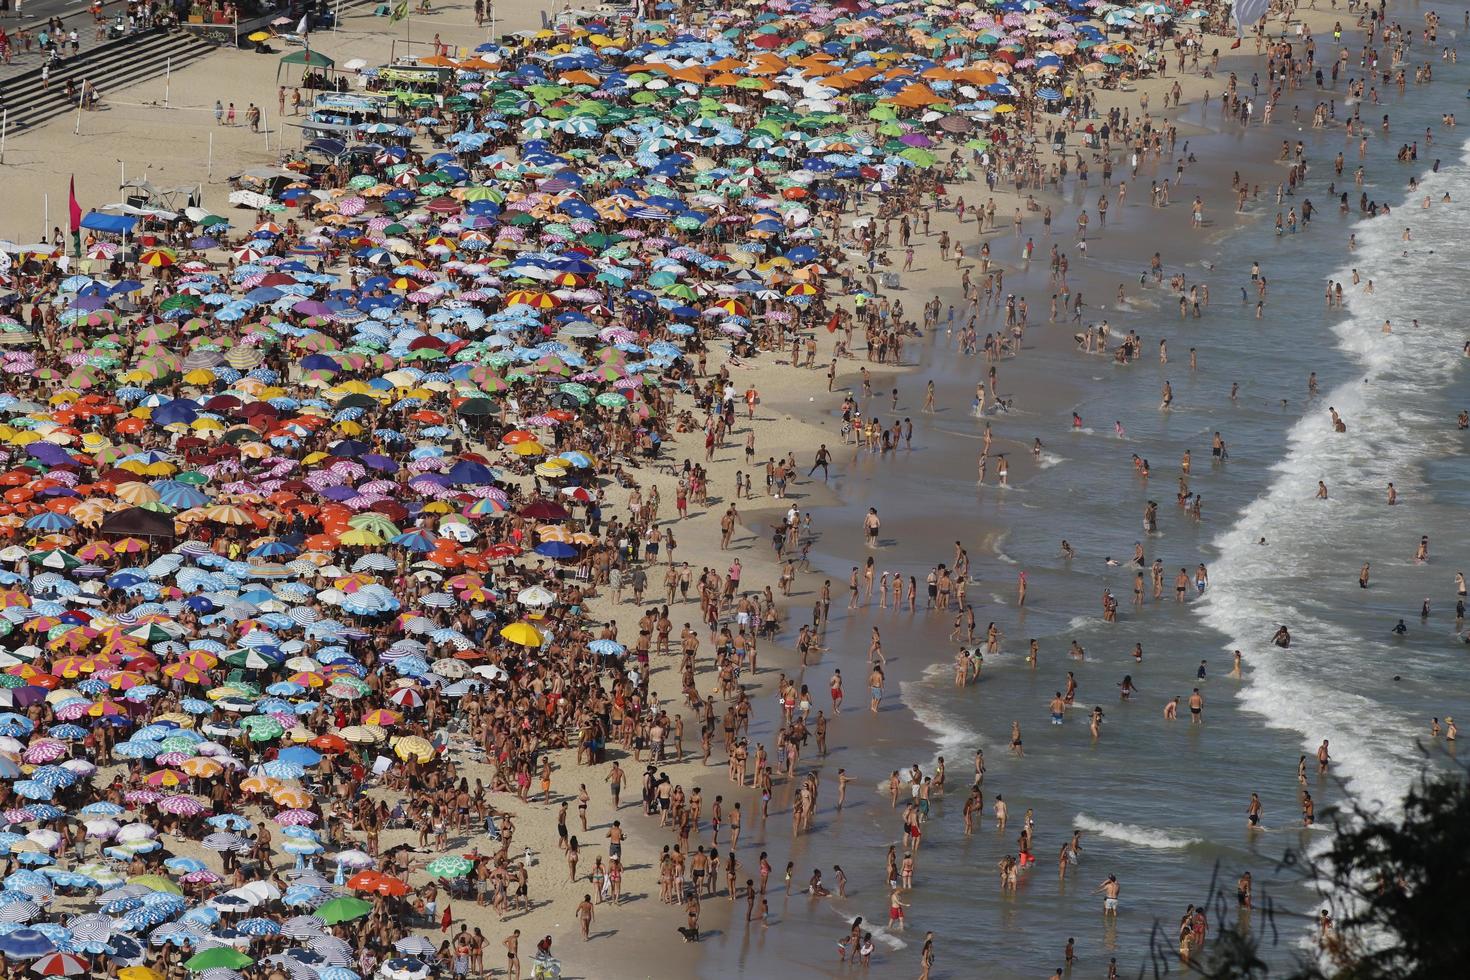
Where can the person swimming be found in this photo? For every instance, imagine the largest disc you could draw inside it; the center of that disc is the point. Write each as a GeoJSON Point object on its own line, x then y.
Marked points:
{"type": "Point", "coordinates": [1401, 629]}
{"type": "Point", "coordinates": [1282, 637]}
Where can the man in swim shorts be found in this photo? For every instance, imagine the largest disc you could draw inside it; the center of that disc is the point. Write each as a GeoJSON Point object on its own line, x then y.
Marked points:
{"type": "Point", "coordinates": [1110, 890]}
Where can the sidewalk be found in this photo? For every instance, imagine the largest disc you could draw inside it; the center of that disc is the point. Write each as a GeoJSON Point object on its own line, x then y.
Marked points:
{"type": "Point", "coordinates": [74, 14]}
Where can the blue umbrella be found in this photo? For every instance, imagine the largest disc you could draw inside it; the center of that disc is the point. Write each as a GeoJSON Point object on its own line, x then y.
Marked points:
{"type": "Point", "coordinates": [258, 927]}
{"type": "Point", "coordinates": [301, 755]}
{"type": "Point", "coordinates": [102, 808]}
{"type": "Point", "coordinates": [184, 865]}
{"type": "Point", "coordinates": [26, 944]}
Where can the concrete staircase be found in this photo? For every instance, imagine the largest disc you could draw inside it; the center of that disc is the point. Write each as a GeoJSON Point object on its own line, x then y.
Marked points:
{"type": "Point", "coordinates": [109, 66]}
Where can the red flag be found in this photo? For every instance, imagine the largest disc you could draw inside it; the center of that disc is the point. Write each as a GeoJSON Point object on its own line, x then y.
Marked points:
{"type": "Point", "coordinates": [74, 207]}
{"type": "Point", "coordinates": [832, 323]}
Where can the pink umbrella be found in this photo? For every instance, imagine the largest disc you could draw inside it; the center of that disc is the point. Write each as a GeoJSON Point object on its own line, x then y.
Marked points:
{"type": "Point", "coordinates": [184, 806]}
{"type": "Point", "coordinates": [46, 750]}
{"type": "Point", "coordinates": [295, 818]}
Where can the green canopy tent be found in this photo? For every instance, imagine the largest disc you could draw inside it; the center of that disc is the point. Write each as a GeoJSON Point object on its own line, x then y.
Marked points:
{"type": "Point", "coordinates": [306, 59]}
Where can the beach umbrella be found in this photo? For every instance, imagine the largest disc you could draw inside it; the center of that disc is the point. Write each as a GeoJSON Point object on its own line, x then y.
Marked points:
{"type": "Point", "coordinates": [449, 866]}
{"type": "Point", "coordinates": [60, 965]}
{"type": "Point", "coordinates": [343, 910]}
{"type": "Point", "coordinates": [218, 957]}
{"type": "Point", "coordinates": [26, 944]}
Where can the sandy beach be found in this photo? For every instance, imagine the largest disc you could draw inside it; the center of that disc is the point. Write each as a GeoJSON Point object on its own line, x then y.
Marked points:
{"type": "Point", "coordinates": [796, 410]}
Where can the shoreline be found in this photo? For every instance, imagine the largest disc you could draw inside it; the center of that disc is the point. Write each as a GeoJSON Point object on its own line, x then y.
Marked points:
{"type": "Point", "coordinates": [1214, 144]}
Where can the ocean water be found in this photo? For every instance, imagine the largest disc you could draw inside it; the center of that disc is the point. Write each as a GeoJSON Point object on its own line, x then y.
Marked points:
{"type": "Point", "coordinates": [1162, 804]}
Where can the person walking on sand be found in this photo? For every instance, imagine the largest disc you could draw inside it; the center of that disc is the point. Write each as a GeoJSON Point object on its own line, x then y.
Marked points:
{"type": "Point", "coordinates": [219, 113]}
{"type": "Point", "coordinates": [230, 115]}
{"type": "Point", "coordinates": [585, 915]}
{"type": "Point", "coordinates": [871, 524]}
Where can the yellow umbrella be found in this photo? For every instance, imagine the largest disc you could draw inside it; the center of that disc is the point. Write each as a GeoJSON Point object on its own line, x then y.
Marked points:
{"type": "Point", "coordinates": [136, 493]}
{"type": "Point", "coordinates": [293, 797]}
{"type": "Point", "coordinates": [258, 784]}
{"type": "Point", "coordinates": [522, 634]}
{"type": "Point", "coordinates": [413, 747]}
{"type": "Point", "coordinates": [157, 883]}
{"type": "Point", "coordinates": [201, 767]}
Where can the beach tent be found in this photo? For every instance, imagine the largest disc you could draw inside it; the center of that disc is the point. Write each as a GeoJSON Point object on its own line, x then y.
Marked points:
{"type": "Point", "coordinates": [306, 59]}
{"type": "Point", "coordinates": [111, 224]}
{"type": "Point", "coordinates": [136, 522]}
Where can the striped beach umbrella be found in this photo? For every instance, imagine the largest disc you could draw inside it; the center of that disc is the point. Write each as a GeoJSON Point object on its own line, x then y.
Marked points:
{"type": "Point", "coordinates": [61, 965]}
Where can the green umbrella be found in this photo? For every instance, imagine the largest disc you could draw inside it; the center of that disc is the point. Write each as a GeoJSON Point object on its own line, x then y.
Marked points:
{"type": "Point", "coordinates": [578, 391]}
{"type": "Point", "coordinates": [333, 912]}
{"type": "Point", "coordinates": [449, 866]}
{"type": "Point", "coordinates": [225, 957]}
{"type": "Point", "coordinates": [181, 300]}
{"type": "Point", "coordinates": [262, 728]}
{"type": "Point", "coordinates": [180, 743]}
{"type": "Point", "coordinates": [918, 157]}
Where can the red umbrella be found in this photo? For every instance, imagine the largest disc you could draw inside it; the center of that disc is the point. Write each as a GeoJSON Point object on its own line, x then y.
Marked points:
{"type": "Point", "coordinates": [544, 510]}
{"type": "Point", "coordinates": [61, 965]}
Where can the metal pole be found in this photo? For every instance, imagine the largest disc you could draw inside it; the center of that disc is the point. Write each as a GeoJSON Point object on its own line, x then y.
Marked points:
{"type": "Point", "coordinates": [337, 17]}
{"type": "Point", "coordinates": [81, 100]}
{"type": "Point", "coordinates": [209, 166]}
{"type": "Point", "coordinates": [265, 125]}
{"type": "Point", "coordinates": [45, 216]}
{"type": "Point", "coordinates": [168, 72]}
{"type": "Point", "coordinates": [4, 131]}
